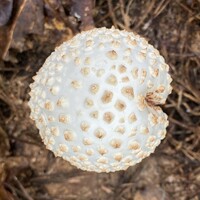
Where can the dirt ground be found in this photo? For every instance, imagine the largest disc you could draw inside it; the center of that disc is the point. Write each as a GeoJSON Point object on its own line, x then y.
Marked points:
{"type": "Point", "coordinates": [29, 32]}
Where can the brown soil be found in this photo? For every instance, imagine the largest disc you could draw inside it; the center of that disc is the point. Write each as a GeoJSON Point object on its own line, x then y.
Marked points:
{"type": "Point", "coordinates": [28, 34]}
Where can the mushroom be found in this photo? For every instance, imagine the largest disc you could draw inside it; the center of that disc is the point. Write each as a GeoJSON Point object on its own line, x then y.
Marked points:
{"type": "Point", "coordinates": [96, 100]}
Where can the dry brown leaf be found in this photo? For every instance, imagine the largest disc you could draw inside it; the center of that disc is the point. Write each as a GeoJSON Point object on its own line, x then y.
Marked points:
{"type": "Point", "coordinates": [4, 194]}
{"type": "Point", "coordinates": [5, 11]}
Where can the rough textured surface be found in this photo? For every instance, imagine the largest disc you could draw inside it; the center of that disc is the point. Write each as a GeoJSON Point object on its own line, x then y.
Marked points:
{"type": "Point", "coordinates": [32, 172]}
{"type": "Point", "coordinates": [95, 100]}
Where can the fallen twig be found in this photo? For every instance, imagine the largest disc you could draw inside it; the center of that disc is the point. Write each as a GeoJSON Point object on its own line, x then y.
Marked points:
{"type": "Point", "coordinates": [82, 10]}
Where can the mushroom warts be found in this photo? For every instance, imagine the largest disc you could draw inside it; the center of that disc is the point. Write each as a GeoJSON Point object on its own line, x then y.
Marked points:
{"type": "Point", "coordinates": [96, 100]}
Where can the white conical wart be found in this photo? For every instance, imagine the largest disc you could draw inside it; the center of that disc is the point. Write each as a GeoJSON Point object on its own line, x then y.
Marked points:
{"type": "Point", "coordinates": [96, 100]}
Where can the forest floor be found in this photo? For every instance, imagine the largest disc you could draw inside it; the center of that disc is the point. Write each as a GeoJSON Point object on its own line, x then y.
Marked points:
{"type": "Point", "coordinates": [30, 172]}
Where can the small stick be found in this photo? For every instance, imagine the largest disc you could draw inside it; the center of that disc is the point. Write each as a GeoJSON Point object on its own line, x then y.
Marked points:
{"type": "Point", "coordinates": [25, 193]}
{"type": "Point", "coordinates": [111, 13]}
{"type": "Point", "coordinates": [82, 10]}
{"type": "Point", "coordinates": [12, 27]}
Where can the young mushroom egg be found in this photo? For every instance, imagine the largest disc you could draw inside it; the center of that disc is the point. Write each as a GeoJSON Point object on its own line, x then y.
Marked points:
{"type": "Point", "coordinates": [96, 100]}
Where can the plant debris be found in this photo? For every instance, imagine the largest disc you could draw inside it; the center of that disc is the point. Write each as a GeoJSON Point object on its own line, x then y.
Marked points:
{"type": "Point", "coordinates": [29, 32]}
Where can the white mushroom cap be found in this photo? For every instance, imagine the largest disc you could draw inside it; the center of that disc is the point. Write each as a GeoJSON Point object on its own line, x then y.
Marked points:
{"type": "Point", "coordinates": [95, 100]}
